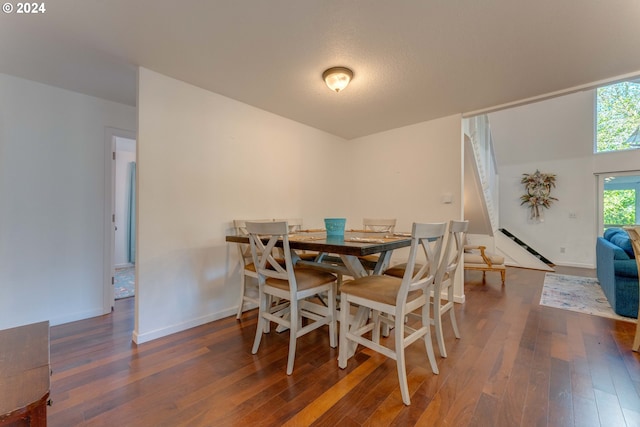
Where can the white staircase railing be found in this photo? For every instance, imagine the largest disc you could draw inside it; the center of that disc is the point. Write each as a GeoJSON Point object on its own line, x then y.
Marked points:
{"type": "Point", "coordinates": [480, 135]}
{"type": "Point", "coordinates": [482, 166]}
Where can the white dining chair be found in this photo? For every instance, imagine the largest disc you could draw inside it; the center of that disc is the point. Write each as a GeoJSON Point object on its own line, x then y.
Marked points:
{"type": "Point", "coordinates": [248, 270]}
{"type": "Point", "coordinates": [295, 287]}
{"type": "Point", "coordinates": [248, 295]}
{"type": "Point", "coordinates": [444, 280]}
{"type": "Point", "coordinates": [295, 226]}
{"type": "Point", "coordinates": [377, 225]}
{"type": "Point", "coordinates": [390, 299]}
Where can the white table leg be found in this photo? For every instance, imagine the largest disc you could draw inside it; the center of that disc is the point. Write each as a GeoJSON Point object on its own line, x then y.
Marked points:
{"type": "Point", "coordinates": [383, 262]}
{"type": "Point", "coordinates": [354, 266]}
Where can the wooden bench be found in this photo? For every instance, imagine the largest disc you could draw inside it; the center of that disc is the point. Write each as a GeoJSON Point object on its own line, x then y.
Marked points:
{"type": "Point", "coordinates": [24, 375]}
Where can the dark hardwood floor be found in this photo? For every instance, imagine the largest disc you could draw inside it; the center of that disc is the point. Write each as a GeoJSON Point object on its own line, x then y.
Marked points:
{"type": "Point", "coordinates": [517, 364]}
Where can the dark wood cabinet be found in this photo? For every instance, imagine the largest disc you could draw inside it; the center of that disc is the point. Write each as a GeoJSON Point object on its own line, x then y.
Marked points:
{"type": "Point", "coordinates": [24, 375]}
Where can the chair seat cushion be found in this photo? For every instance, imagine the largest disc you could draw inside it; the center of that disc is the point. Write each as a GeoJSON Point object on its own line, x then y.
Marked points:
{"type": "Point", "coordinates": [306, 278]}
{"type": "Point", "coordinates": [252, 266]}
{"type": "Point", "coordinates": [472, 258]}
{"type": "Point", "coordinates": [308, 256]}
{"type": "Point", "coordinates": [398, 270]}
{"type": "Point", "coordinates": [370, 258]}
{"type": "Point", "coordinates": [382, 289]}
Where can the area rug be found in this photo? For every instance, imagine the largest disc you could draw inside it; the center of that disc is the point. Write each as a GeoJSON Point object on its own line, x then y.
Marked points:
{"type": "Point", "coordinates": [575, 293]}
{"type": "Point", "coordinates": [124, 282]}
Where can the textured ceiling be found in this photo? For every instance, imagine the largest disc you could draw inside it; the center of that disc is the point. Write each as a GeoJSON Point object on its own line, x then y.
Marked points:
{"type": "Point", "coordinates": [413, 60]}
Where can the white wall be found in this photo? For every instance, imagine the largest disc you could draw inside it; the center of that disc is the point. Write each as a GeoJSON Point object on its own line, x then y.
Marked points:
{"type": "Point", "coordinates": [204, 160]}
{"type": "Point", "coordinates": [554, 136]}
{"type": "Point", "coordinates": [404, 173]}
{"type": "Point", "coordinates": [52, 195]}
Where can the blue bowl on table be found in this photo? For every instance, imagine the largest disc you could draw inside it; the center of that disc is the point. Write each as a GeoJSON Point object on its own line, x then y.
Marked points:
{"type": "Point", "coordinates": [335, 226]}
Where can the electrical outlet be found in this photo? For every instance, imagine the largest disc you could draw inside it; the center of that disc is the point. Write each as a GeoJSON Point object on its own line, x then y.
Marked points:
{"type": "Point", "coordinates": [573, 215]}
{"type": "Point", "coordinates": [562, 250]}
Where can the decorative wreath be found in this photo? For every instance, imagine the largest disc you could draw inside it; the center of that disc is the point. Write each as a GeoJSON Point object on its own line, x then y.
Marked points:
{"type": "Point", "coordinates": [538, 192]}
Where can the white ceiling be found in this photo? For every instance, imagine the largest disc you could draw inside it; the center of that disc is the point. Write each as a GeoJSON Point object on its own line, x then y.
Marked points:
{"type": "Point", "coordinates": [414, 60]}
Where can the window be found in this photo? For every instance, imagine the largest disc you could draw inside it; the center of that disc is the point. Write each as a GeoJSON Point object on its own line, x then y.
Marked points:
{"type": "Point", "coordinates": [619, 200]}
{"type": "Point", "coordinates": [618, 116]}
{"type": "Point", "coordinates": [619, 208]}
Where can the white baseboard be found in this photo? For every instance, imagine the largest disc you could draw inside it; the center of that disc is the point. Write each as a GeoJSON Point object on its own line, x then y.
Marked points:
{"type": "Point", "coordinates": [163, 332]}
{"type": "Point", "coordinates": [577, 265]}
{"type": "Point", "coordinates": [72, 317]}
{"type": "Point", "coordinates": [125, 265]}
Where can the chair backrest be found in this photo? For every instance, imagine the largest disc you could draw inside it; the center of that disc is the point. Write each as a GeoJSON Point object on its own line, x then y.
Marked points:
{"type": "Point", "coordinates": [240, 225]}
{"type": "Point", "coordinates": [457, 235]}
{"type": "Point", "coordinates": [379, 225]}
{"type": "Point", "coordinates": [294, 224]}
{"type": "Point", "coordinates": [244, 250]}
{"type": "Point", "coordinates": [428, 238]}
{"type": "Point", "coordinates": [262, 253]}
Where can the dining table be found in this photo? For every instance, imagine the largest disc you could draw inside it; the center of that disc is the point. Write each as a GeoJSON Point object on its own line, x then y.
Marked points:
{"type": "Point", "coordinates": [341, 254]}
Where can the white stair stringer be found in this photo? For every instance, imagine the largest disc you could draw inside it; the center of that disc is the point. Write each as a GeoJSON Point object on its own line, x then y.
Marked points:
{"type": "Point", "coordinates": [481, 176]}
{"type": "Point", "coordinates": [515, 255]}
{"type": "Point", "coordinates": [475, 204]}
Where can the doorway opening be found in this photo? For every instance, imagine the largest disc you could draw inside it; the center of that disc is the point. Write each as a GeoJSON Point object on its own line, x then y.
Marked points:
{"type": "Point", "coordinates": [118, 144]}
{"type": "Point", "coordinates": [124, 249]}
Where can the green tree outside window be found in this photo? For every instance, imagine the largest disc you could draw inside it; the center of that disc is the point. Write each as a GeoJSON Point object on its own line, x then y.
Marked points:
{"type": "Point", "coordinates": [617, 115]}
{"type": "Point", "coordinates": [619, 207]}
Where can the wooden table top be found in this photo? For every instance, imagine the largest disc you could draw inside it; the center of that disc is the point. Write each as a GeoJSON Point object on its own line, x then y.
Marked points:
{"type": "Point", "coordinates": [356, 243]}
{"type": "Point", "coordinates": [24, 366]}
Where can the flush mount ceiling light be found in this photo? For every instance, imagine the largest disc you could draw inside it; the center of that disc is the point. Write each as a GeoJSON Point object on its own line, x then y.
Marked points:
{"type": "Point", "coordinates": [337, 78]}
